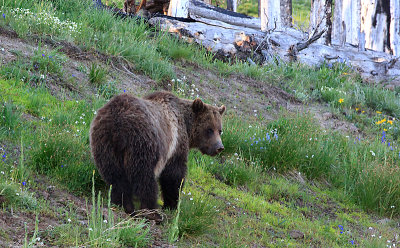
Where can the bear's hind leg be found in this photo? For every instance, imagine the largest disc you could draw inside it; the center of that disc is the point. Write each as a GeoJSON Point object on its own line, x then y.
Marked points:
{"type": "Point", "coordinates": [147, 191]}
{"type": "Point", "coordinates": [121, 195]}
{"type": "Point", "coordinates": [171, 180]}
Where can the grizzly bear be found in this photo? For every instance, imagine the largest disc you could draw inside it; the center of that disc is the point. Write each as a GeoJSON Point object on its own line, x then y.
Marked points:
{"type": "Point", "coordinates": [136, 141]}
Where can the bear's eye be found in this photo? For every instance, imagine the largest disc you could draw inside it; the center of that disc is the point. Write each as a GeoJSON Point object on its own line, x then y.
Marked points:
{"type": "Point", "coordinates": [220, 132]}
{"type": "Point", "coordinates": [210, 131]}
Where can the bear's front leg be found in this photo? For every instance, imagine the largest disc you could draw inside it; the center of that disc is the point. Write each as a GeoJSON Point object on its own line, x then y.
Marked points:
{"type": "Point", "coordinates": [171, 179]}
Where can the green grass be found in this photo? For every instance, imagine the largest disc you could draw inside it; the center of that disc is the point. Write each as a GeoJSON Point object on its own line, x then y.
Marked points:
{"type": "Point", "coordinates": [97, 75]}
{"type": "Point", "coordinates": [367, 171]}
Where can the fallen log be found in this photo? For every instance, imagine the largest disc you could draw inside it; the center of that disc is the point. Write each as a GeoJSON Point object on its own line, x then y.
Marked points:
{"type": "Point", "coordinates": [235, 41]}
{"type": "Point", "coordinates": [228, 40]}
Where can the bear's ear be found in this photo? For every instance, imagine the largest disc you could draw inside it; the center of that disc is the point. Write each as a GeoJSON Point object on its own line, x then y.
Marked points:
{"type": "Point", "coordinates": [221, 109]}
{"type": "Point", "coordinates": [198, 106]}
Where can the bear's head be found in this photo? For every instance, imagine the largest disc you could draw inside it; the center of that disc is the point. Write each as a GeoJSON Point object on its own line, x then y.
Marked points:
{"type": "Point", "coordinates": [207, 128]}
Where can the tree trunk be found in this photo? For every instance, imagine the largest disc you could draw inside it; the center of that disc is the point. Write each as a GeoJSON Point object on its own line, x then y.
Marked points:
{"type": "Point", "coordinates": [179, 8]}
{"type": "Point", "coordinates": [375, 24]}
{"type": "Point", "coordinates": [231, 5]}
{"type": "Point", "coordinates": [286, 13]}
{"type": "Point", "coordinates": [394, 28]}
{"type": "Point", "coordinates": [328, 16]}
{"type": "Point", "coordinates": [317, 17]}
{"type": "Point", "coordinates": [347, 14]}
{"type": "Point", "coordinates": [270, 15]}
{"type": "Point", "coordinates": [200, 11]}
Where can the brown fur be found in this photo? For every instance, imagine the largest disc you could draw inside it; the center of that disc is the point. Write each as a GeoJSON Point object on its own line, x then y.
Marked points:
{"type": "Point", "coordinates": [136, 141]}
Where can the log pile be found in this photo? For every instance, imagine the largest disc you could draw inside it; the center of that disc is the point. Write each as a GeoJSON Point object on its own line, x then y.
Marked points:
{"type": "Point", "coordinates": [234, 35]}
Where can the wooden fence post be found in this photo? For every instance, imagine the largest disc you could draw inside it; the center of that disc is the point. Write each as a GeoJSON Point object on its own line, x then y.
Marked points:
{"type": "Point", "coordinates": [179, 8]}
{"type": "Point", "coordinates": [270, 15]}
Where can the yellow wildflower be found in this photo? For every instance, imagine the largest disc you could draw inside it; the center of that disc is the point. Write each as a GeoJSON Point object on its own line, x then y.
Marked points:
{"type": "Point", "coordinates": [385, 129]}
{"type": "Point", "coordinates": [357, 109]}
{"type": "Point", "coordinates": [381, 121]}
{"type": "Point", "coordinates": [390, 122]}
{"type": "Point", "coordinates": [341, 100]}
{"type": "Point", "coordinates": [378, 112]}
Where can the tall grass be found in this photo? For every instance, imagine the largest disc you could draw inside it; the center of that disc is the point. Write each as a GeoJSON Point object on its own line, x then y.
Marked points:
{"type": "Point", "coordinates": [10, 119]}
{"type": "Point", "coordinates": [368, 171]}
{"type": "Point", "coordinates": [105, 231]}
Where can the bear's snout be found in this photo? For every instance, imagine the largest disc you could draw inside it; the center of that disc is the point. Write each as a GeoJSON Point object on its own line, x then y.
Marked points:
{"type": "Point", "coordinates": [220, 149]}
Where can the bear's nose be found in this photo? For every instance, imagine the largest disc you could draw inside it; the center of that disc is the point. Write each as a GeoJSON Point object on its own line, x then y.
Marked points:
{"type": "Point", "coordinates": [220, 149]}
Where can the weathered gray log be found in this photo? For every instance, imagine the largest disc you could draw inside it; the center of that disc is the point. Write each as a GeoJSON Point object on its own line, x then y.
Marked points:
{"type": "Point", "coordinates": [199, 10]}
{"type": "Point", "coordinates": [230, 40]}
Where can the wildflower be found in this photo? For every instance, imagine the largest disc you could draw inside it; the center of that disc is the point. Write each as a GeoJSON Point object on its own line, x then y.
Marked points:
{"type": "Point", "coordinates": [105, 221]}
{"type": "Point", "coordinates": [372, 153]}
{"type": "Point", "coordinates": [43, 55]}
{"type": "Point", "coordinates": [381, 121]}
{"type": "Point", "coordinates": [23, 183]}
{"type": "Point", "coordinates": [4, 16]}
{"type": "Point", "coordinates": [391, 206]}
{"type": "Point", "coordinates": [378, 112]}
{"type": "Point", "coordinates": [2, 172]}
{"type": "Point", "coordinates": [341, 100]}
{"type": "Point", "coordinates": [385, 129]}
{"type": "Point", "coordinates": [357, 109]}
{"type": "Point", "coordinates": [352, 242]}
{"type": "Point", "coordinates": [390, 122]}
{"type": "Point", "coordinates": [268, 137]}
{"type": "Point", "coordinates": [69, 220]}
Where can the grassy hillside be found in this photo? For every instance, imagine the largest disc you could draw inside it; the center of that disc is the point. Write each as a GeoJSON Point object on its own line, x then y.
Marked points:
{"type": "Point", "coordinates": [289, 176]}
